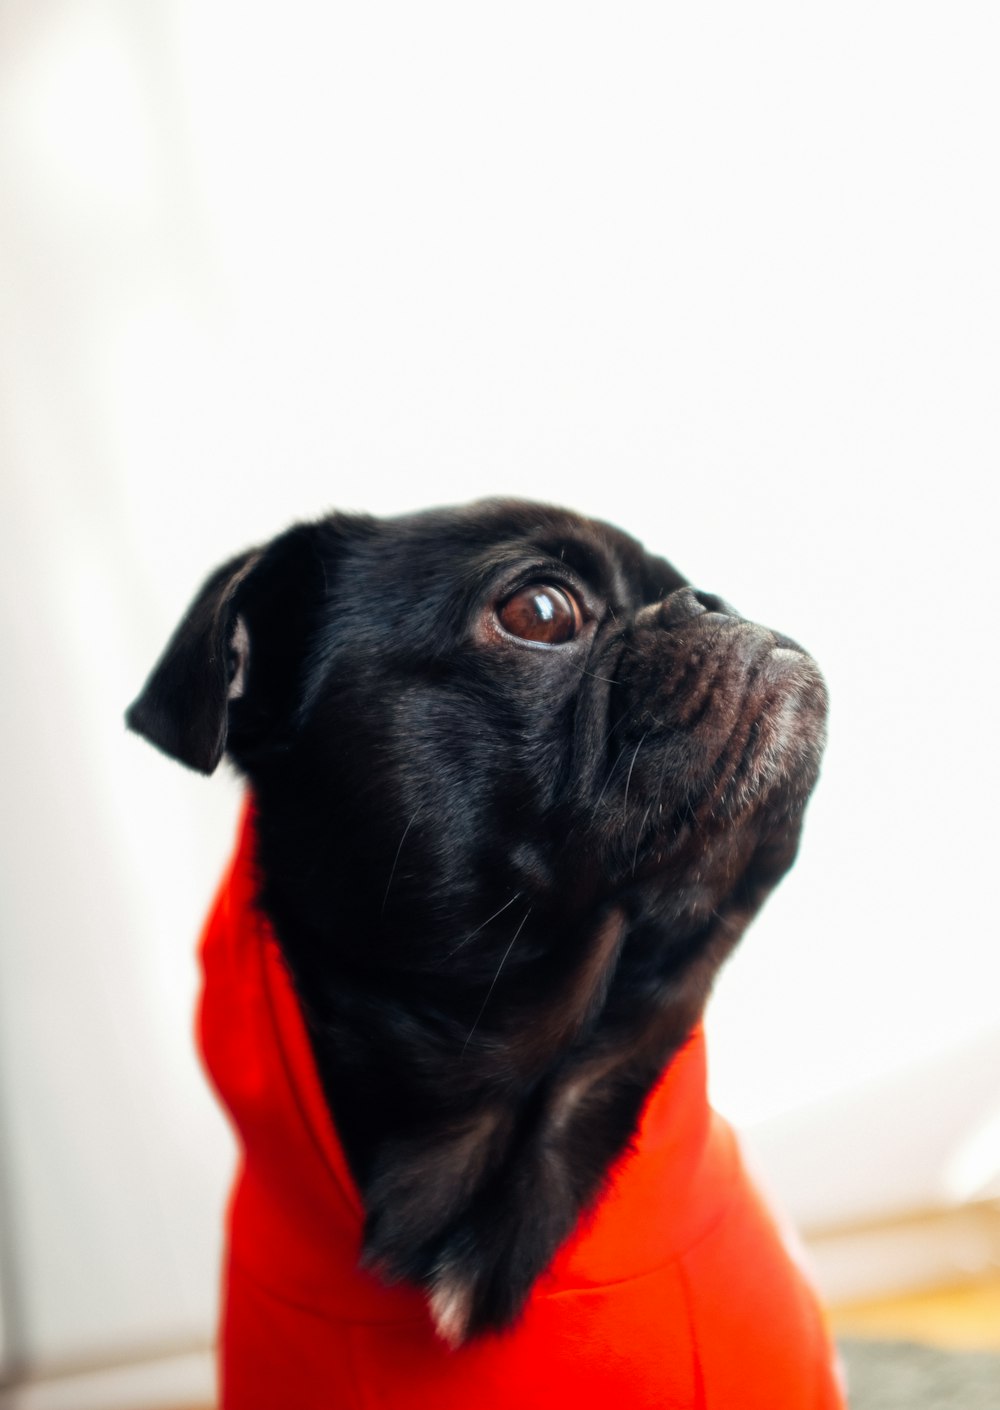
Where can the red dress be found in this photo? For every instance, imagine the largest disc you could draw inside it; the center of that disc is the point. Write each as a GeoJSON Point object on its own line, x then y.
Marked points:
{"type": "Point", "coordinates": [675, 1291]}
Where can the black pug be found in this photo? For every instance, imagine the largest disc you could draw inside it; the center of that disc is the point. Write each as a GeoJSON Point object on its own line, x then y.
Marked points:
{"type": "Point", "coordinates": [519, 790]}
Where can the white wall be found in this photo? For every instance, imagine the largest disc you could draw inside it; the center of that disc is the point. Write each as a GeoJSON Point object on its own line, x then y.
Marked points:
{"type": "Point", "coordinates": [725, 275]}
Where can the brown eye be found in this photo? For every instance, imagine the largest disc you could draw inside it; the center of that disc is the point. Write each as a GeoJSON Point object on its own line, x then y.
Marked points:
{"type": "Point", "coordinates": [542, 613]}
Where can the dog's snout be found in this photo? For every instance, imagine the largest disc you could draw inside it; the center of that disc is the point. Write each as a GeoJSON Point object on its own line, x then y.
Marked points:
{"type": "Point", "coordinates": [687, 603]}
{"type": "Point", "coordinates": [711, 602]}
{"type": "Point", "coordinates": [785, 643]}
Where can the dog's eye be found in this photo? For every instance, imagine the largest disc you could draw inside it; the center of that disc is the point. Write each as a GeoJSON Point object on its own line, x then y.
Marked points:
{"type": "Point", "coordinates": [541, 612]}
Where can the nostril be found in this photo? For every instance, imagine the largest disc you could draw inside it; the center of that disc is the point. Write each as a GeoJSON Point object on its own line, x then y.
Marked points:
{"type": "Point", "coordinates": [686, 603]}
{"type": "Point", "coordinates": [711, 603]}
{"type": "Point", "coordinates": [680, 606]}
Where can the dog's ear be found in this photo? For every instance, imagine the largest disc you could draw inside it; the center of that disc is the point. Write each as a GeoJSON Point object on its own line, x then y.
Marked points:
{"type": "Point", "coordinates": [232, 659]}
{"type": "Point", "coordinates": [184, 706]}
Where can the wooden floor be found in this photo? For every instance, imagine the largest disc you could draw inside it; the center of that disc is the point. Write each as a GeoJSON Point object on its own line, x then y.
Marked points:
{"type": "Point", "coordinates": [965, 1318]}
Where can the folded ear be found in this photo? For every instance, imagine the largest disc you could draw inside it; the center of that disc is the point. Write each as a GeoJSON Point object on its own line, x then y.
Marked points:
{"type": "Point", "coordinates": [184, 706]}
{"type": "Point", "coordinates": [232, 670]}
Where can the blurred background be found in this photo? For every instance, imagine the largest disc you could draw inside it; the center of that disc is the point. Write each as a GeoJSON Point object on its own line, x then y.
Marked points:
{"type": "Point", "coordinates": [725, 275]}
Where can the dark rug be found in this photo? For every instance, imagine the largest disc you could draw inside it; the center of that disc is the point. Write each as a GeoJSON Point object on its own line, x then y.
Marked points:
{"type": "Point", "coordinates": [900, 1375]}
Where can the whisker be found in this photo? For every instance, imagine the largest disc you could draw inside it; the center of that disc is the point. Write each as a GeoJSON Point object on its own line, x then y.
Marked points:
{"type": "Point", "coordinates": [611, 771]}
{"type": "Point", "coordinates": [726, 922]}
{"type": "Point", "coordinates": [635, 854]}
{"type": "Point", "coordinates": [595, 677]}
{"type": "Point", "coordinates": [395, 860]}
{"type": "Point", "coordinates": [622, 719]}
{"type": "Point", "coordinates": [472, 934]}
{"type": "Point", "coordinates": [630, 768]}
{"type": "Point", "coordinates": [494, 984]}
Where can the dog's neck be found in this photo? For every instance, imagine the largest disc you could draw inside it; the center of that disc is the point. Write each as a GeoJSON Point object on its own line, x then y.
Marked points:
{"type": "Point", "coordinates": [475, 1165]}
{"type": "Point", "coordinates": [261, 1056]}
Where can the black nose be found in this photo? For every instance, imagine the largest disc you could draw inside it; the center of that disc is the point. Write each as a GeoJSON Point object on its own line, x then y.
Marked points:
{"type": "Point", "coordinates": [687, 603]}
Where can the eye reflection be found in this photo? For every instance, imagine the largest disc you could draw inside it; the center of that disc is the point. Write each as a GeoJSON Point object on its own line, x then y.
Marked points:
{"type": "Point", "coordinates": [543, 613]}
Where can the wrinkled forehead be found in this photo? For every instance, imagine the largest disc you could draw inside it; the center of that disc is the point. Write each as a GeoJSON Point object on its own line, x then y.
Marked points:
{"type": "Point", "coordinates": [439, 550]}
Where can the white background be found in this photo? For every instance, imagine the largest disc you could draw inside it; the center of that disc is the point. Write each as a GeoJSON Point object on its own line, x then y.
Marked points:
{"type": "Point", "coordinates": [726, 275]}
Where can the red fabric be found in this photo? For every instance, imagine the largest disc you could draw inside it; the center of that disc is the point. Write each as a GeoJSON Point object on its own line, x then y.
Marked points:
{"type": "Point", "coordinates": [675, 1292]}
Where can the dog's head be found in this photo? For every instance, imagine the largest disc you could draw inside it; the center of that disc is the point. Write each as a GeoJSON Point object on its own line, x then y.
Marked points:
{"type": "Point", "coordinates": [519, 789]}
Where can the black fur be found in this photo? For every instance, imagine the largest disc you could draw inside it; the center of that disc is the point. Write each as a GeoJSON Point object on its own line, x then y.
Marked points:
{"type": "Point", "coordinates": [503, 875]}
